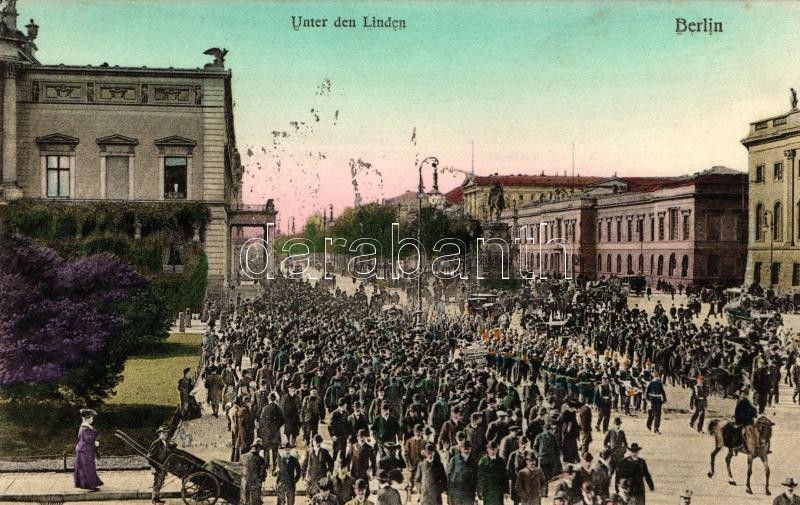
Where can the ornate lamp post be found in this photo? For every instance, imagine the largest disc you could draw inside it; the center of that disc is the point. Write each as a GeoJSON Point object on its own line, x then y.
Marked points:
{"type": "Point", "coordinates": [419, 328]}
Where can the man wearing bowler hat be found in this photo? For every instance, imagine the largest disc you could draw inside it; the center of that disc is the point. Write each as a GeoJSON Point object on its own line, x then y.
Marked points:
{"type": "Point", "coordinates": [255, 471]}
{"type": "Point", "coordinates": [788, 497]}
{"type": "Point", "coordinates": [634, 469]}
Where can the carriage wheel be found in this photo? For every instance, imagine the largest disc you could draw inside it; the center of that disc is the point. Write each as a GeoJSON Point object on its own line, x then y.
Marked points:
{"type": "Point", "coordinates": [200, 488]}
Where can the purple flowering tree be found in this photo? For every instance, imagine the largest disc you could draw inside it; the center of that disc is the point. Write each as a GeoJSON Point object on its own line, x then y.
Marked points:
{"type": "Point", "coordinates": [58, 315]}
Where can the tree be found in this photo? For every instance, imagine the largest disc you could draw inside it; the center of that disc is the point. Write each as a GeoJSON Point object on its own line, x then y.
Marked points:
{"type": "Point", "coordinates": [69, 325]}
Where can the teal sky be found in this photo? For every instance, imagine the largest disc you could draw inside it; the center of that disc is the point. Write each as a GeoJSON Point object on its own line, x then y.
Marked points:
{"type": "Point", "coordinates": [523, 80]}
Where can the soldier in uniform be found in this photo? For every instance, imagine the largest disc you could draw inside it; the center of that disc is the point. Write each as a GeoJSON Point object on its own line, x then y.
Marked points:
{"type": "Point", "coordinates": [700, 404]}
{"type": "Point", "coordinates": [657, 396]}
{"type": "Point", "coordinates": [602, 400]}
{"type": "Point", "coordinates": [159, 450]}
{"type": "Point", "coordinates": [255, 471]}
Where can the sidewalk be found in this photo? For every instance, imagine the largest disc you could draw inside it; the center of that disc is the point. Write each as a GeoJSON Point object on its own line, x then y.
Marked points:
{"type": "Point", "coordinates": [59, 487]}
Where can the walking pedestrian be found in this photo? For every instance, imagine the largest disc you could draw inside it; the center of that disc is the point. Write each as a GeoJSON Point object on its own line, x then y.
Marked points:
{"type": "Point", "coordinates": [85, 472]}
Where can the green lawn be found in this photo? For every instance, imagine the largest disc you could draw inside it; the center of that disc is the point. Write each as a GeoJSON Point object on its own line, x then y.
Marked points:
{"type": "Point", "coordinates": [146, 398]}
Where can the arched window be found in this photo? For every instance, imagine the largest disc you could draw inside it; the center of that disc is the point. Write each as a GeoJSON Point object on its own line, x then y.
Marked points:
{"type": "Point", "coordinates": [630, 264]}
{"type": "Point", "coordinates": [599, 262]}
{"type": "Point", "coordinates": [660, 270]}
{"type": "Point", "coordinates": [619, 263]}
{"type": "Point", "coordinates": [672, 264]}
{"type": "Point", "coordinates": [759, 222]}
{"type": "Point", "coordinates": [685, 266]}
{"type": "Point", "coordinates": [777, 221]}
{"type": "Point", "coordinates": [608, 264]}
{"type": "Point", "coordinates": [641, 264]}
{"type": "Point", "coordinates": [651, 264]}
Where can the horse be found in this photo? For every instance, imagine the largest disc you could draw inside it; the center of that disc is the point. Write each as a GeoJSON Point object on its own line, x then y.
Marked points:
{"type": "Point", "coordinates": [756, 445]}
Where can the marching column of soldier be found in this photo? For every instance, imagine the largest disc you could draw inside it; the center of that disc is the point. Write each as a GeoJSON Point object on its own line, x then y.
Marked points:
{"type": "Point", "coordinates": [399, 407]}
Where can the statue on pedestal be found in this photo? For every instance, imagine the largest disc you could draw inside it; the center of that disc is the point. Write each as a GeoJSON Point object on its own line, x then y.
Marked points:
{"type": "Point", "coordinates": [794, 98]}
{"type": "Point", "coordinates": [497, 201]}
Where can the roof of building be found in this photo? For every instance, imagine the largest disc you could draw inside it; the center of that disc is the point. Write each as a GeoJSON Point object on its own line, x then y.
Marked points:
{"type": "Point", "coordinates": [455, 196]}
{"type": "Point", "coordinates": [536, 180]}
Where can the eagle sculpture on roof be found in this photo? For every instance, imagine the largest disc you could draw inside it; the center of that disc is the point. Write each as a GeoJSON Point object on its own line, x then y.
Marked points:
{"type": "Point", "coordinates": [219, 56]}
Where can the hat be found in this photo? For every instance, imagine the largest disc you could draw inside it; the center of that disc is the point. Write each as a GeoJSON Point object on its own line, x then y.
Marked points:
{"type": "Point", "coordinates": [187, 370]}
{"type": "Point", "coordinates": [569, 469]}
{"type": "Point", "coordinates": [617, 421]}
{"type": "Point", "coordinates": [635, 447]}
{"type": "Point", "coordinates": [789, 482]}
{"type": "Point", "coordinates": [390, 445]}
{"type": "Point", "coordinates": [162, 429]}
{"type": "Point", "coordinates": [88, 413]}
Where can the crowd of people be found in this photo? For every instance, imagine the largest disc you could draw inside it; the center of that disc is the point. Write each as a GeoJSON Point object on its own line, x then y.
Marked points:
{"type": "Point", "coordinates": [366, 398]}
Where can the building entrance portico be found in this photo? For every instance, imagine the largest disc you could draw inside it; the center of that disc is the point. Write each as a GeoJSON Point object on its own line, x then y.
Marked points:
{"type": "Point", "coordinates": [251, 216]}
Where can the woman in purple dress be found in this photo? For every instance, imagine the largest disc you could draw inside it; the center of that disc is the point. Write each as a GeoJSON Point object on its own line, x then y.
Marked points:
{"type": "Point", "coordinates": [85, 474]}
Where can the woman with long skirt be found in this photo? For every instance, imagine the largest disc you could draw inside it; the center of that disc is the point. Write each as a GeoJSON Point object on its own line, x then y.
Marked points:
{"type": "Point", "coordinates": [85, 474]}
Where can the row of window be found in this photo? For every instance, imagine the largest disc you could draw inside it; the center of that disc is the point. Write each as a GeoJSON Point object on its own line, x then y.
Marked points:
{"type": "Point", "coordinates": [656, 265]}
{"type": "Point", "coordinates": [543, 232]}
{"type": "Point", "coordinates": [777, 172]}
{"type": "Point", "coordinates": [775, 273]}
{"type": "Point", "coordinates": [637, 231]}
{"type": "Point", "coordinates": [60, 174]}
{"type": "Point", "coordinates": [771, 219]}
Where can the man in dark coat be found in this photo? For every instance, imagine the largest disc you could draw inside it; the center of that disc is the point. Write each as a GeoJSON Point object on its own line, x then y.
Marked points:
{"type": "Point", "coordinates": [360, 458]}
{"type": "Point", "coordinates": [313, 411]}
{"type": "Point", "coordinates": [700, 404]}
{"type": "Point", "coordinates": [635, 470]}
{"type": "Point", "coordinates": [529, 482]}
{"type": "Point", "coordinates": [255, 471]}
{"type": "Point", "coordinates": [413, 448]}
{"type": "Point", "coordinates": [387, 495]}
{"type": "Point", "coordinates": [492, 478]}
{"type": "Point", "coordinates": [269, 428]}
{"type": "Point", "coordinates": [476, 433]}
{"type": "Point", "coordinates": [447, 435]}
{"type": "Point", "coordinates": [430, 479]}
{"type": "Point", "coordinates": [318, 463]}
{"type": "Point", "coordinates": [185, 386]}
{"type": "Point", "coordinates": [548, 453]}
{"type": "Point", "coordinates": [291, 414]}
{"type": "Point", "coordinates": [159, 450]}
{"type": "Point", "coordinates": [245, 428]}
{"type": "Point", "coordinates": [288, 472]}
{"type": "Point", "coordinates": [339, 430]}
{"type": "Point", "coordinates": [745, 412]}
{"type": "Point", "coordinates": [462, 472]}
{"type": "Point", "coordinates": [324, 495]}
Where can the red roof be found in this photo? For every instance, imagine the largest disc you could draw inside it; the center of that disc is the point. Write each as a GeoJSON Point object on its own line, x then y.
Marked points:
{"type": "Point", "coordinates": [649, 183]}
{"type": "Point", "coordinates": [455, 196]}
{"type": "Point", "coordinates": [537, 180]}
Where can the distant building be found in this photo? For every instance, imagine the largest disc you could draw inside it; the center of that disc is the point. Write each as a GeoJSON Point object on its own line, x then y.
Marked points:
{"type": "Point", "coordinates": [681, 230]}
{"type": "Point", "coordinates": [93, 133]}
{"type": "Point", "coordinates": [519, 190]}
{"type": "Point", "coordinates": [773, 258]}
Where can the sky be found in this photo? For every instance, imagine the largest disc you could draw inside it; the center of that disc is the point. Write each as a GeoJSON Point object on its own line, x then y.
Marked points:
{"type": "Point", "coordinates": [319, 111]}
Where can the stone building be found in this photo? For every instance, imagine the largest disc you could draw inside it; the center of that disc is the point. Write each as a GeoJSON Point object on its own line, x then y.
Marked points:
{"type": "Point", "coordinates": [773, 258]}
{"type": "Point", "coordinates": [519, 190]}
{"type": "Point", "coordinates": [92, 133]}
{"type": "Point", "coordinates": [681, 230]}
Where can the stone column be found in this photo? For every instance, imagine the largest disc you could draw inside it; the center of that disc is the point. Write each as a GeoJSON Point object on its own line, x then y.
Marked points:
{"type": "Point", "coordinates": [10, 183]}
{"type": "Point", "coordinates": [791, 205]}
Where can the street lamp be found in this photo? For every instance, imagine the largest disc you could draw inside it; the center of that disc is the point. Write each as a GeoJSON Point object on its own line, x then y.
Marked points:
{"type": "Point", "coordinates": [419, 328]}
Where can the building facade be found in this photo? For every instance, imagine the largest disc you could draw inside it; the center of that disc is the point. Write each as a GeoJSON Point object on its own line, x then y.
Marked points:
{"type": "Point", "coordinates": [773, 258]}
{"type": "Point", "coordinates": [519, 190]}
{"type": "Point", "coordinates": [679, 230]}
{"type": "Point", "coordinates": [94, 133]}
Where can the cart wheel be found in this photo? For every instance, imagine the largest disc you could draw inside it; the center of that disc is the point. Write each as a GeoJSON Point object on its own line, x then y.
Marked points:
{"type": "Point", "coordinates": [200, 488]}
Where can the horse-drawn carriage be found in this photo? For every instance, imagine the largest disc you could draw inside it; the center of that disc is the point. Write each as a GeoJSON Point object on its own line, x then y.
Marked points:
{"type": "Point", "coordinates": [202, 483]}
